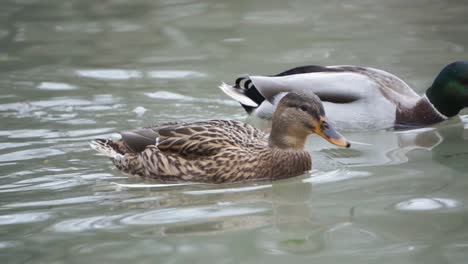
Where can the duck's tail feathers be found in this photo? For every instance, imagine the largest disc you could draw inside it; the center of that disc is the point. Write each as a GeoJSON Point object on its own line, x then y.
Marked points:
{"type": "Point", "coordinates": [237, 94]}
{"type": "Point", "coordinates": [104, 147]}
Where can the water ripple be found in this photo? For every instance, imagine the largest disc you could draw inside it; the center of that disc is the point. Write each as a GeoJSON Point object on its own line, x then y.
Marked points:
{"type": "Point", "coordinates": [146, 185]}
{"type": "Point", "coordinates": [38, 153]}
{"type": "Point", "coordinates": [9, 244]}
{"type": "Point", "coordinates": [175, 74]}
{"type": "Point", "coordinates": [274, 17]}
{"type": "Point", "coordinates": [71, 72]}
{"type": "Point", "coordinates": [464, 118]}
{"type": "Point", "coordinates": [169, 96]}
{"type": "Point", "coordinates": [68, 135]}
{"type": "Point", "coordinates": [55, 86]}
{"type": "Point", "coordinates": [30, 133]}
{"type": "Point", "coordinates": [52, 181]}
{"type": "Point", "coordinates": [335, 176]}
{"type": "Point", "coordinates": [22, 218]}
{"type": "Point", "coordinates": [155, 217]}
{"type": "Point", "coordinates": [34, 108]}
{"type": "Point", "coordinates": [7, 145]}
{"type": "Point", "coordinates": [120, 74]}
{"type": "Point", "coordinates": [109, 74]}
{"type": "Point", "coordinates": [165, 95]}
{"type": "Point", "coordinates": [66, 201]}
{"type": "Point", "coordinates": [177, 215]}
{"type": "Point", "coordinates": [85, 224]}
{"type": "Point", "coordinates": [229, 190]}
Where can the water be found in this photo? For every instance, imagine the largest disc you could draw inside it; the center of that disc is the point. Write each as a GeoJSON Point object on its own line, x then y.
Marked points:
{"type": "Point", "coordinates": [71, 71]}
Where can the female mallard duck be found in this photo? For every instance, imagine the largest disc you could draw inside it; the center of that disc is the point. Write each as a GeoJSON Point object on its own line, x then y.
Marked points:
{"type": "Point", "coordinates": [359, 97]}
{"type": "Point", "coordinates": [220, 151]}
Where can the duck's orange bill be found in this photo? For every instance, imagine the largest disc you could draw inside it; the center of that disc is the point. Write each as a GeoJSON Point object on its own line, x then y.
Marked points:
{"type": "Point", "coordinates": [326, 131]}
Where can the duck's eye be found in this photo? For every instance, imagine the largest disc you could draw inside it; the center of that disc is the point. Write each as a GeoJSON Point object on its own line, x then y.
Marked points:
{"type": "Point", "coordinates": [303, 108]}
{"type": "Point", "coordinates": [325, 126]}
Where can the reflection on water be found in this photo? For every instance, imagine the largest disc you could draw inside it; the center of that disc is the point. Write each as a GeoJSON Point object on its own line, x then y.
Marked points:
{"type": "Point", "coordinates": [71, 71]}
{"type": "Point", "coordinates": [389, 147]}
{"type": "Point", "coordinates": [420, 204]}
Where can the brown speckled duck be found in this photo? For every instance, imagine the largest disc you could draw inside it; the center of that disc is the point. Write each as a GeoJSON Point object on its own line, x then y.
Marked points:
{"type": "Point", "coordinates": [222, 151]}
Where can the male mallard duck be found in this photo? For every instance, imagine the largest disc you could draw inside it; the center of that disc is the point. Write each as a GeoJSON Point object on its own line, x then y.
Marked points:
{"type": "Point", "coordinates": [220, 151]}
{"type": "Point", "coordinates": [359, 97]}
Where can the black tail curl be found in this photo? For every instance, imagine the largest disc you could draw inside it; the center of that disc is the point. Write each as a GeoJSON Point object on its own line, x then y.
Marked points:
{"type": "Point", "coordinates": [245, 84]}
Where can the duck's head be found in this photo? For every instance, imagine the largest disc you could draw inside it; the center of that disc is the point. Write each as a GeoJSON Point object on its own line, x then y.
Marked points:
{"type": "Point", "coordinates": [296, 117]}
{"type": "Point", "coordinates": [449, 92]}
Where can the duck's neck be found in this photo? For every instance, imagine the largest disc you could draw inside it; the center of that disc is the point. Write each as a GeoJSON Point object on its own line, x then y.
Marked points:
{"type": "Point", "coordinates": [286, 137]}
{"type": "Point", "coordinates": [423, 112]}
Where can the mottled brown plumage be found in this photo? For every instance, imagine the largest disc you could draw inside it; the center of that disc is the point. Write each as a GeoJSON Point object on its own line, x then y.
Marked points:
{"type": "Point", "coordinates": [222, 151]}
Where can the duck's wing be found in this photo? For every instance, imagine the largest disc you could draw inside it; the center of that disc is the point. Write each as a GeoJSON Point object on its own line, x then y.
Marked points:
{"type": "Point", "coordinates": [201, 139]}
{"type": "Point", "coordinates": [334, 84]}
{"type": "Point", "coordinates": [137, 140]}
{"type": "Point", "coordinates": [197, 139]}
{"type": "Point", "coordinates": [388, 83]}
{"type": "Point", "coordinates": [331, 86]}
{"type": "Point", "coordinates": [309, 69]}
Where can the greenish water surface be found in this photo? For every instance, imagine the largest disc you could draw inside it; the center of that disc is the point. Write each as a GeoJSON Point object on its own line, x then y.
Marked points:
{"type": "Point", "coordinates": [71, 71]}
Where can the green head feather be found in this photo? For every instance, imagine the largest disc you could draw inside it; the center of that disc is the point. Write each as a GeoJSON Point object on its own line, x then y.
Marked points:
{"type": "Point", "coordinates": [449, 92]}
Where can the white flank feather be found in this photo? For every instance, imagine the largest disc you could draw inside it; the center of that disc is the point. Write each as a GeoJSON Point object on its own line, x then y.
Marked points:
{"type": "Point", "coordinates": [236, 95]}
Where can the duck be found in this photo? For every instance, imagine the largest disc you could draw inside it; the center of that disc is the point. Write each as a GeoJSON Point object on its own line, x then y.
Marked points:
{"type": "Point", "coordinates": [358, 97]}
{"type": "Point", "coordinates": [224, 151]}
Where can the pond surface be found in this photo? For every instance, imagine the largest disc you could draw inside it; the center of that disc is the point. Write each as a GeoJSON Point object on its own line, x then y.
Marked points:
{"type": "Point", "coordinates": [71, 71]}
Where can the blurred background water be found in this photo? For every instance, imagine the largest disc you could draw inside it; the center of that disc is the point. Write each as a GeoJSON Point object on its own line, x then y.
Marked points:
{"type": "Point", "coordinates": [71, 71]}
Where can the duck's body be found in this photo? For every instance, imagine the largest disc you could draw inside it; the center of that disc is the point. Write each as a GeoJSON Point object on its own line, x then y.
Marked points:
{"type": "Point", "coordinates": [356, 97]}
{"type": "Point", "coordinates": [216, 151]}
